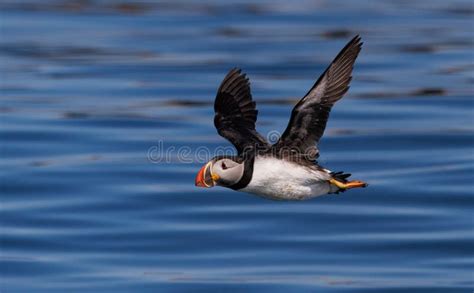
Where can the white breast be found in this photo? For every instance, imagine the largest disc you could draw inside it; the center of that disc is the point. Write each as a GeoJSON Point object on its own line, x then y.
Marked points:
{"type": "Point", "coordinates": [279, 179]}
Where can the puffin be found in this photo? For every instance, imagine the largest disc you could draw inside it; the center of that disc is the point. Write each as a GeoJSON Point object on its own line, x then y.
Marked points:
{"type": "Point", "coordinates": [287, 169]}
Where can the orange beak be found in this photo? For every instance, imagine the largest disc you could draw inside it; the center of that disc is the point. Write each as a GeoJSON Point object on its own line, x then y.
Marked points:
{"type": "Point", "coordinates": [204, 177]}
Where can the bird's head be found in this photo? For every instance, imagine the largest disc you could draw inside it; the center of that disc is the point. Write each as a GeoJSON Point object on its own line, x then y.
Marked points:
{"type": "Point", "coordinates": [222, 171]}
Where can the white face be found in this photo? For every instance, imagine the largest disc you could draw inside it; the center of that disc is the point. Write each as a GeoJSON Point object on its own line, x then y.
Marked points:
{"type": "Point", "coordinates": [229, 171]}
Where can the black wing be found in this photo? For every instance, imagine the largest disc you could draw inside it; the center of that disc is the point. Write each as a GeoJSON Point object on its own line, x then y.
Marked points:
{"type": "Point", "coordinates": [309, 117]}
{"type": "Point", "coordinates": [236, 113]}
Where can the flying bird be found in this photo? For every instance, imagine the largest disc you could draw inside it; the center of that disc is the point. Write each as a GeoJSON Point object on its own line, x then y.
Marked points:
{"type": "Point", "coordinates": [288, 169]}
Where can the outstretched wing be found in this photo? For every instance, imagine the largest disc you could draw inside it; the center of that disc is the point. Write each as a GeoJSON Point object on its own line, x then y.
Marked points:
{"type": "Point", "coordinates": [236, 113]}
{"type": "Point", "coordinates": [309, 116]}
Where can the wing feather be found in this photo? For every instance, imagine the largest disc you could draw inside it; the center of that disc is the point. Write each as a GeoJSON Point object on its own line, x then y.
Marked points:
{"type": "Point", "coordinates": [236, 113]}
{"type": "Point", "coordinates": [309, 116]}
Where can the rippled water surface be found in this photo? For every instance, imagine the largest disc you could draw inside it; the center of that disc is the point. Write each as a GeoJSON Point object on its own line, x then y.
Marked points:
{"type": "Point", "coordinates": [88, 88]}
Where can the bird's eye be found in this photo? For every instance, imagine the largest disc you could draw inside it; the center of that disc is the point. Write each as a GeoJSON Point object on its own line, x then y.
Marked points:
{"type": "Point", "coordinates": [224, 166]}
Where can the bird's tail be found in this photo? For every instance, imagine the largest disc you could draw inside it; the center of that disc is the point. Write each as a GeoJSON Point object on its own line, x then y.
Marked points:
{"type": "Point", "coordinates": [340, 176]}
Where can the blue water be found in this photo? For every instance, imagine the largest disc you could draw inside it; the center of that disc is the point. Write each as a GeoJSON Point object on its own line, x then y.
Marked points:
{"type": "Point", "coordinates": [91, 91]}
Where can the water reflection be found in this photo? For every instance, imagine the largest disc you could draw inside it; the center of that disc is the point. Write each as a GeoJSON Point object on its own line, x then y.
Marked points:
{"type": "Point", "coordinates": [88, 87]}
